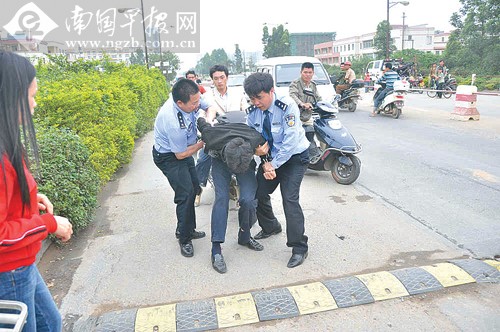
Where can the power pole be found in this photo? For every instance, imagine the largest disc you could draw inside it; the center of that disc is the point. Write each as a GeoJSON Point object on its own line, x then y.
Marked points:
{"type": "Point", "coordinates": [403, 35]}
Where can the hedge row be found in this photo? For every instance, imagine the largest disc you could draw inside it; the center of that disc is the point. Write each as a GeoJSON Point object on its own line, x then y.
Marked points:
{"type": "Point", "coordinates": [89, 114]}
{"type": "Point", "coordinates": [66, 176]}
{"type": "Point", "coordinates": [108, 110]}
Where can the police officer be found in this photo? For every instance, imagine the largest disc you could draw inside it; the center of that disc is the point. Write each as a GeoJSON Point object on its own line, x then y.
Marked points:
{"type": "Point", "coordinates": [175, 143]}
{"type": "Point", "coordinates": [277, 119]}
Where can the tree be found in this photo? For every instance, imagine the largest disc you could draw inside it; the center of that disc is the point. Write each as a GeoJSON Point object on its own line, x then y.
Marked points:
{"type": "Point", "coordinates": [474, 46]}
{"type": "Point", "coordinates": [138, 58]}
{"type": "Point", "coordinates": [277, 43]}
{"type": "Point", "coordinates": [171, 63]}
{"type": "Point", "coordinates": [380, 40]}
{"type": "Point", "coordinates": [238, 60]}
{"type": "Point", "coordinates": [423, 60]}
{"type": "Point", "coordinates": [217, 57]}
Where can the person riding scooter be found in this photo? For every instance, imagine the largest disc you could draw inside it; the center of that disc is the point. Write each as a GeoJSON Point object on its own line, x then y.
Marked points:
{"type": "Point", "coordinates": [389, 77]}
{"type": "Point", "coordinates": [345, 81]}
{"type": "Point", "coordinates": [306, 102]}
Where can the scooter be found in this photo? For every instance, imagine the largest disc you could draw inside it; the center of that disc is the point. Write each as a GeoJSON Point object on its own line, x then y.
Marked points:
{"type": "Point", "coordinates": [394, 100]}
{"type": "Point", "coordinates": [14, 314]}
{"type": "Point", "coordinates": [348, 99]}
{"type": "Point", "coordinates": [337, 147]}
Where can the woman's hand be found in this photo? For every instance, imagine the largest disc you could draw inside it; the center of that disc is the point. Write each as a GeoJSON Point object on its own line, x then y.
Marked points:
{"type": "Point", "coordinates": [64, 229]}
{"type": "Point", "coordinates": [44, 203]}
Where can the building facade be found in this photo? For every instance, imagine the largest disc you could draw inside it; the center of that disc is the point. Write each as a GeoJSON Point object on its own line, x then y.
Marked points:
{"type": "Point", "coordinates": [303, 43]}
{"type": "Point", "coordinates": [420, 37]}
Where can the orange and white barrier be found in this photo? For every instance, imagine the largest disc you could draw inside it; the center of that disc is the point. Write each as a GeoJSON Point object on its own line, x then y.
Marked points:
{"type": "Point", "coordinates": [465, 103]}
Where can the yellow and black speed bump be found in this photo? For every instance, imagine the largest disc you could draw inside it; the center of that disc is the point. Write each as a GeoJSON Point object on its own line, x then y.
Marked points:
{"type": "Point", "coordinates": [196, 316]}
{"type": "Point", "coordinates": [275, 304]}
{"type": "Point", "coordinates": [479, 270]}
{"type": "Point", "coordinates": [349, 292]}
{"type": "Point", "coordinates": [417, 280]}
{"type": "Point", "coordinates": [292, 301]}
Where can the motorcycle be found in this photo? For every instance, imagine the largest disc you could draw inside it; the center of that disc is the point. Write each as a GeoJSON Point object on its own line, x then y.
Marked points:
{"type": "Point", "coordinates": [348, 99]}
{"type": "Point", "coordinates": [416, 83]}
{"type": "Point", "coordinates": [394, 100]}
{"type": "Point", "coordinates": [337, 147]}
{"type": "Point", "coordinates": [450, 82]}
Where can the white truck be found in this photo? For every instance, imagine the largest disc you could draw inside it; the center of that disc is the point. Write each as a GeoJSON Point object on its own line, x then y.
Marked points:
{"type": "Point", "coordinates": [286, 69]}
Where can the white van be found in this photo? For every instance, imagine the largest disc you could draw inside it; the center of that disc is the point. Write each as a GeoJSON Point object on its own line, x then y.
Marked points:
{"type": "Point", "coordinates": [286, 69]}
{"type": "Point", "coordinates": [376, 68]}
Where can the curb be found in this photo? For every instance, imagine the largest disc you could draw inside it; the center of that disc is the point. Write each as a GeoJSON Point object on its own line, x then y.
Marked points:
{"type": "Point", "coordinates": [293, 301]}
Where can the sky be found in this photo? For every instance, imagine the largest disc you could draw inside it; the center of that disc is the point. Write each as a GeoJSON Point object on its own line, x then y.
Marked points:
{"type": "Point", "coordinates": [224, 23]}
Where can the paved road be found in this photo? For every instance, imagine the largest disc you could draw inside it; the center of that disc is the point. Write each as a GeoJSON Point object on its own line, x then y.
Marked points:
{"type": "Point", "coordinates": [400, 213]}
{"type": "Point", "coordinates": [443, 173]}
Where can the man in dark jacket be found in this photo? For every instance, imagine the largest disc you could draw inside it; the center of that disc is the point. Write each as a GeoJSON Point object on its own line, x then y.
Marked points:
{"type": "Point", "coordinates": [232, 146]}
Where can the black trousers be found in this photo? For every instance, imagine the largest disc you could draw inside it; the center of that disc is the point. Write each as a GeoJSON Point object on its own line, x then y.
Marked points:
{"type": "Point", "coordinates": [289, 176]}
{"type": "Point", "coordinates": [181, 174]}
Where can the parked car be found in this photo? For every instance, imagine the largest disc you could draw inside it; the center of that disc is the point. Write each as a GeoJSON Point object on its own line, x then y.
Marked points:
{"type": "Point", "coordinates": [286, 69]}
{"type": "Point", "coordinates": [376, 68]}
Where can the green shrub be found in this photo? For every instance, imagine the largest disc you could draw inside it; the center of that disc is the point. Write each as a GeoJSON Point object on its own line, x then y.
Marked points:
{"type": "Point", "coordinates": [66, 176]}
{"type": "Point", "coordinates": [98, 108]}
{"type": "Point", "coordinates": [482, 82]}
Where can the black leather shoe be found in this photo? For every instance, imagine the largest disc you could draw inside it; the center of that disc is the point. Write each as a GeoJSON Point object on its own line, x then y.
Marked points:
{"type": "Point", "coordinates": [187, 249]}
{"type": "Point", "coordinates": [252, 244]}
{"type": "Point", "coordinates": [263, 235]}
{"type": "Point", "coordinates": [297, 259]}
{"type": "Point", "coordinates": [195, 235]}
{"type": "Point", "coordinates": [219, 264]}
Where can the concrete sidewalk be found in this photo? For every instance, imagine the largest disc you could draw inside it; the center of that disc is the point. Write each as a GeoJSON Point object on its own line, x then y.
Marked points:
{"type": "Point", "coordinates": [134, 260]}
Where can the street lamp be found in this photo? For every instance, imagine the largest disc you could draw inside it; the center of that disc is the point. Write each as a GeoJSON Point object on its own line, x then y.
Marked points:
{"type": "Point", "coordinates": [391, 4]}
{"type": "Point", "coordinates": [123, 10]}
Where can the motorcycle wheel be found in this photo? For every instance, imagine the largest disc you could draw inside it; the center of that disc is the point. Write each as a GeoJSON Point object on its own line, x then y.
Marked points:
{"type": "Point", "coordinates": [420, 92]}
{"type": "Point", "coordinates": [343, 174]}
{"type": "Point", "coordinates": [351, 106]}
{"type": "Point", "coordinates": [396, 112]}
{"type": "Point", "coordinates": [448, 93]}
{"type": "Point", "coordinates": [431, 93]}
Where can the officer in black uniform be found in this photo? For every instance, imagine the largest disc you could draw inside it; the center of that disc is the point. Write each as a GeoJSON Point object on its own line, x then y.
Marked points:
{"type": "Point", "coordinates": [175, 143]}
{"type": "Point", "coordinates": [277, 118]}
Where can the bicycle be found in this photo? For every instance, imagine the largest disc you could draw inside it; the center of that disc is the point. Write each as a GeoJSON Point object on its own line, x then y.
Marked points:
{"type": "Point", "coordinates": [447, 93]}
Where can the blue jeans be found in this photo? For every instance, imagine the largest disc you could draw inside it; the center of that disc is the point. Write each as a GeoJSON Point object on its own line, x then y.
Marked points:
{"type": "Point", "coordinates": [26, 285]}
{"type": "Point", "coordinates": [203, 165]}
{"type": "Point", "coordinates": [289, 176]}
{"type": "Point", "coordinates": [246, 213]}
{"type": "Point", "coordinates": [379, 97]}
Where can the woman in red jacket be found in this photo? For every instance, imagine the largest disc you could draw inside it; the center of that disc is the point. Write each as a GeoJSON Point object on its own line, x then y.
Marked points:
{"type": "Point", "coordinates": [22, 227]}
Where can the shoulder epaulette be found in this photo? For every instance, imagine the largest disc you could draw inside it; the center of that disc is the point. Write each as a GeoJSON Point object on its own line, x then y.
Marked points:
{"type": "Point", "coordinates": [281, 105]}
{"type": "Point", "coordinates": [182, 124]}
{"type": "Point", "coordinates": [251, 109]}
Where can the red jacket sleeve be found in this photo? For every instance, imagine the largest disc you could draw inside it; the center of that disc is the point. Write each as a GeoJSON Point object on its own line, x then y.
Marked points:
{"type": "Point", "coordinates": [20, 228]}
